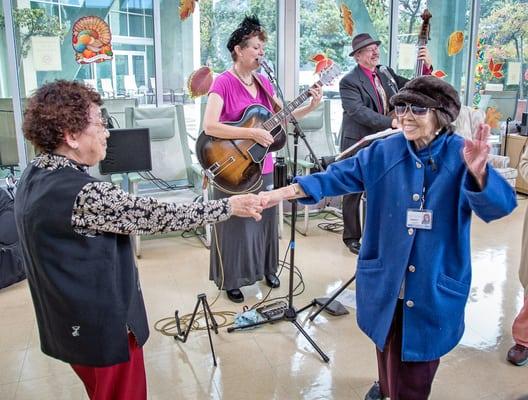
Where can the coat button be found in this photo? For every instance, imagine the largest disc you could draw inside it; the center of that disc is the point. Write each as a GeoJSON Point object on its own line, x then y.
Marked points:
{"type": "Point", "coordinates": [418, 165]}
{"type": "Point", "coordinates": [409, 303]}
{"type": "Point", "coordinates": [410, 231]}
{"type": "Point", "coordinates": [412, 268]}
{"type": "Point", "coordinates": [416, 197]}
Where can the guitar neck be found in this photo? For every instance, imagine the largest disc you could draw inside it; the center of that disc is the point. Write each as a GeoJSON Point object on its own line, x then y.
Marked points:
{"type": "Point", "coordinates": [274, 121]}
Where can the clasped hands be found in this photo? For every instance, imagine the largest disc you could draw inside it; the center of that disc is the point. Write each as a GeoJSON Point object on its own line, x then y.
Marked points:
{"type": "Point", "coordinates": [252, 205]}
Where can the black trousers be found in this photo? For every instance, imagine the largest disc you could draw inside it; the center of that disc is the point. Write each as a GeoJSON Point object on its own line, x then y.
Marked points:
{"type": "Point", "coordinates": [351, 223]}
{"type": "Point", "coordinates": [351, 203]}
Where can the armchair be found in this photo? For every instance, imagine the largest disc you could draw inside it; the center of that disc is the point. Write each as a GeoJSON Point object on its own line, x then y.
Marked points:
{"type": "Point", "coordinates": [107, 88]}
{"type": "Point", "coordinates": [171, 158]}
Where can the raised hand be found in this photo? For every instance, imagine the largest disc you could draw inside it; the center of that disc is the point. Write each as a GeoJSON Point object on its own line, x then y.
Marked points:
{"type": "Point", "coordinates": [246, 205]}
{"type": "Point", "coordinates": [476, 153]}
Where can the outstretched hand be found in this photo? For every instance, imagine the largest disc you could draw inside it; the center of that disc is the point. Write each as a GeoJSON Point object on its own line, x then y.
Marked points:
{"type": "Point", "coordinates": [476, 153]}
{"type": "Point", "coordinates": [246, 205]}
{"type": "Point", "coordinates": [271, 198]}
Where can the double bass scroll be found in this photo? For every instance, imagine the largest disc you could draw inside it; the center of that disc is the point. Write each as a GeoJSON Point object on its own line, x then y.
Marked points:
{"type": "Point", "coordinates": [423, 38]}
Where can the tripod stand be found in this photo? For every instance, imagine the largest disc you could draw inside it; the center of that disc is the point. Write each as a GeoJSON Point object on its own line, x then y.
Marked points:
{"type": "Point", "coordinates": [182, 337]}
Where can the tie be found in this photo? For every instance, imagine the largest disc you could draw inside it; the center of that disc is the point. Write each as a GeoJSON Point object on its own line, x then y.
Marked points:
{"type": "Point", "coordinates": [381, 92]}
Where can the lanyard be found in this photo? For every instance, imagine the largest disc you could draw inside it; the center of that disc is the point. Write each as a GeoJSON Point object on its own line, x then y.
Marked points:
{"type": "Point", "coordinates": [422, 204]}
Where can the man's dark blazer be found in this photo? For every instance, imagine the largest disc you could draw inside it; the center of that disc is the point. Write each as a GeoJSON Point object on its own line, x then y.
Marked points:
{"type": "Point", "coordinates": [361, 116]}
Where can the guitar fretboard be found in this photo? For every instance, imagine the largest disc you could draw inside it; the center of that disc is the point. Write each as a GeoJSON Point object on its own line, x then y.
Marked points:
{"type": "Point", "coordinates": [274, 121]}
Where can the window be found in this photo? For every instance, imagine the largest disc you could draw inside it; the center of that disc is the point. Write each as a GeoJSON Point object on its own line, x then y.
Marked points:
{"type": "Point", "coordinates": [449, 22]}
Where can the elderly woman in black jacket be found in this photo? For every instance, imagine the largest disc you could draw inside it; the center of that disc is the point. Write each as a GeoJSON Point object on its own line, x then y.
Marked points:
{"type": "Point", "coordinates": [74, 235]}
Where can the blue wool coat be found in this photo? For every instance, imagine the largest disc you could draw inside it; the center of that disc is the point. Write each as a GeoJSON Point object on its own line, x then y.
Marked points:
{"type": "Point", "coordinates": [435, 264]}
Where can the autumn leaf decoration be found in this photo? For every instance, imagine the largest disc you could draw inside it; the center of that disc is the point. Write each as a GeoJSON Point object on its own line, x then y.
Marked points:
{"type": "Point", "coordinates": [186, 8]}
{"type": "Point", "coordinates": [492, 117]}
{"type": "Point", "coordinates": [200, 81]}
{"type": "Point", "coordinates": [495, 69]}
{"type": "Point", "coordinates": [455, 43]}
{"type": "Point", "coordinates": [348, 22]}
{"type": "Point", "coordinates": [321, 62]}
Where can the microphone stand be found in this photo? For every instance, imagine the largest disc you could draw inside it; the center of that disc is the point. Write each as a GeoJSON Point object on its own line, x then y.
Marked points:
{"type": "Point", "coordinates": [505, 151]}
{"type": "Point", "coordinates": [290, 314]}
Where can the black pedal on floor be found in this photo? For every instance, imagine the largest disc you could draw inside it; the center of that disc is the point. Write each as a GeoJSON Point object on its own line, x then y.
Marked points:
{"type": "Point", "coordinates": [274, 310]}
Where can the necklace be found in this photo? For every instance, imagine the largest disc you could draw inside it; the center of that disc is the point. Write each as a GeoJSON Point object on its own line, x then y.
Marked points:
{"type": "Point", "coordinates": [242, 80]}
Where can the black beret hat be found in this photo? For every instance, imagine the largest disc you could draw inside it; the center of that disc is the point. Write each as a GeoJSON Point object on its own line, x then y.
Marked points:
{"type": "Point", "coordinates": [430, 91]}
{"type": "Point", "coordinates": [249, 25]}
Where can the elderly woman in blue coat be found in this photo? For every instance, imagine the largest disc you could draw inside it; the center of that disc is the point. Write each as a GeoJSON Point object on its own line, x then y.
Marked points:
{"type": "Point", "coordinates": [414, 268]}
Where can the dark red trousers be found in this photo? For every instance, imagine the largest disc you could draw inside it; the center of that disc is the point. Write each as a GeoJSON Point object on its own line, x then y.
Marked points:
{"type": "Point", "coordinates": [403, 380]}
{"type": "Point", "coordinates": [125, 381]}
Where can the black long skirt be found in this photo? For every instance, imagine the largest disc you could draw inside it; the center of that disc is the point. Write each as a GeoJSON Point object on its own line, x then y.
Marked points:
{"type": "Point", "coordinates": [248, 249]}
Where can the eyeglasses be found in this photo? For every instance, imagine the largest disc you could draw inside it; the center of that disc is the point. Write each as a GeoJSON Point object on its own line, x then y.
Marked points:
{"type": "Point", "coordinates": [373, 49]}
{"type": "Point", "coordinates": [417, 111]}
{"type": "Point", "coordinates": [102, 122]}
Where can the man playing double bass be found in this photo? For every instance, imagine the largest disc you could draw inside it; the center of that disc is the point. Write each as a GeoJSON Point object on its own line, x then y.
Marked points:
{"type": "Point", "coordinates": [365, 93]}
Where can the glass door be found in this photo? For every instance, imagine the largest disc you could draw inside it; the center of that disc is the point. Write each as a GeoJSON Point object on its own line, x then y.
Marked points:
{"type": "Point", "coordinates": [133, 65]}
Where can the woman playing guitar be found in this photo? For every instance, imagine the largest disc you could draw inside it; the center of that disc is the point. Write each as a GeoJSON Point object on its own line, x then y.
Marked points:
{"type": "Point", "coordinates": [248, 251]}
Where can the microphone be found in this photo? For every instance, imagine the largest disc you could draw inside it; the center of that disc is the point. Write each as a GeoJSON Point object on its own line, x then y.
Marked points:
{"type": "Point", "coordinates": [385, 71]}
{"type": "Point", "coordinates": [106, 116]}
{"type": "Point", "coordinates": [264, 64]}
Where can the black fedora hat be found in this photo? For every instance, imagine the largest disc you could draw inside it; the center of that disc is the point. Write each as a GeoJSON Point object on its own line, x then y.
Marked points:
{"type": "Point", "coordinates": [362, 40]}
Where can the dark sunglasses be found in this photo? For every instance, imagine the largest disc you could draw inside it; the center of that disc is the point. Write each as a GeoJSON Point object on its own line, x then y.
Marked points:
{"type": "Point", "coordinates": [417, 111]}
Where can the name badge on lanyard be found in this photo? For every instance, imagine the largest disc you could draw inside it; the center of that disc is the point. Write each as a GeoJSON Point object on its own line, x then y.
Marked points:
{"type": "Point", "coordinates": [420, 218]}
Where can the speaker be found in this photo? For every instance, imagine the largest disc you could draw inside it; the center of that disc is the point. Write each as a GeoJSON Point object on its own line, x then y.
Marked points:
{"type": "Point", "coordinates": [127, 150]}
{"type": "Point", "coordinates": [524, 124]}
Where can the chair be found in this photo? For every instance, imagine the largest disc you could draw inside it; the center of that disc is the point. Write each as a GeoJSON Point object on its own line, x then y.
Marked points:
{"type": "Point", "coordinates": [91, 83]}
{"type": "Point", "coordinates": [166, 93]}
{"type": "Point", "coordinates": [171, 158]}
{"type": "Point", "coordinates": [131, 89]}
{"type": "Point", "coordinates": [317, 129]}
{"type": "Point", "coordinates": [107, 88]}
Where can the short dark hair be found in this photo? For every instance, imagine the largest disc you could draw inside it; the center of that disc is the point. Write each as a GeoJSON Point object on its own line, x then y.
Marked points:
{"type": "Point", "coordinates": [55, 108]}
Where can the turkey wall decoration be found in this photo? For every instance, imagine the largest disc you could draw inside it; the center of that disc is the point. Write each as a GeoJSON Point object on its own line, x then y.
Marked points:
{"type": "Point", "coordinates": [91, 40]}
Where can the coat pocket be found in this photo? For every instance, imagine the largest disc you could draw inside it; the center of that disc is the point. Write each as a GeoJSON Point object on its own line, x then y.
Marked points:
{"type": "Point", "coordinates": [369, 283]}
{"type": "Point", "coordinates": [373, 264]}
{"type": "Point", "coordinates": [452, 286]}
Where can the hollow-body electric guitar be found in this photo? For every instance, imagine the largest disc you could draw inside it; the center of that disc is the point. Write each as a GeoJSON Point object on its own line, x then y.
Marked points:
{"type": "Point", "coordinates": [235, 165]}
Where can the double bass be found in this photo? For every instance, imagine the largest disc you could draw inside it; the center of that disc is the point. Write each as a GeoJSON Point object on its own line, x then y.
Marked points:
{"type": "Point", "coordinates": [423, 38]}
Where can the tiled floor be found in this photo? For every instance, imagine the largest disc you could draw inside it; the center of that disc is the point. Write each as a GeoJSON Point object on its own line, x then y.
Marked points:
{"type": "Point", "coordinates": [275, 361]}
